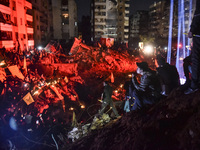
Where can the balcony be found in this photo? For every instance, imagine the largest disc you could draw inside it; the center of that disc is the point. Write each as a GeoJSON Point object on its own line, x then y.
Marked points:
{"type": "Point", "coordinates": [29, 30]}
{"type": "Point", "coordinates": [127, 5]}
{"type": "Point", "coordinates": [29, 18]}
{"type": "Point", "coordinates": [29, 12]}
{"type": "Point", "coordinates": [28, 4]}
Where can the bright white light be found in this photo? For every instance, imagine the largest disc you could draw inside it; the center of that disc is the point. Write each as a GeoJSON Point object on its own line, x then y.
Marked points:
{"type": "Point", "coordinates": [165, 48]}
{"type": "Point", "coordinates": [71, 108]}
{"type": "Point", "coordinates": [181, 58]}
{"type": "Point", "coordinates": [36, 92]}
{"type": "Point", "coordinates": [182, 80]}
{"type": "Point", "coordinates": [148, 49]}
{"type": "Point", "coordinates": [39, 47]}
{"type": "Point", "coordinates": [82, 106]}
{"type": "Point", "coordinates": [2, 63]}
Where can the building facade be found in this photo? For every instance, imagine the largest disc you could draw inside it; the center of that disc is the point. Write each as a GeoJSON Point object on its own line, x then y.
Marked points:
{"type": "Point", "coordinates": [110, 19]}
{"type": "Point", "coordinates": [42, 22]}
{"type": "Point", "coordinates": [64, 19]}
{"type": "Point", "coordinates": [16, 24]}
{"type": "Point", "coordinates": [156, 12]}
{"type": "Point", "coordinates": [123, 21]}
{"type": "Point", "coordinates": [138, 27]}
{"type": "Point", "coordinates": [159, 19]}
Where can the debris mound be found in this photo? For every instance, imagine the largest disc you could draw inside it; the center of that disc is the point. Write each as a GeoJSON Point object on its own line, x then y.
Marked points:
{"type": "Point", "coordinates": [173, 124]}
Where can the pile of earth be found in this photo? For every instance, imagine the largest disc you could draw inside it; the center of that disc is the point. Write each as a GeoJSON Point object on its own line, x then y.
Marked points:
{"type": "Point", "coordinates": [173, 123]}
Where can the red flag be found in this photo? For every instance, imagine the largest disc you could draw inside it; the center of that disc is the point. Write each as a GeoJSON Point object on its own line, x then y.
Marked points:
{"type": "Point", "coordinates": [112, 78]}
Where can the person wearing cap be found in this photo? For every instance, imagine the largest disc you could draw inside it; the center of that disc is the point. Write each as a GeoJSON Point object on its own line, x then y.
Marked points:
{"type": "Point", "coordinates": [195, 34]}
{"type": "Point", "coordinates": [147, 92]}
{"type": "Point", "coordinates": [167, 74]}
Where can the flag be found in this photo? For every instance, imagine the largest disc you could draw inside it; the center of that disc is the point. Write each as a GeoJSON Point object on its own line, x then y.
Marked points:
{"type": "Point", "coordinates": [28, 98]}
{"type": "Point", "coordinates": [66, 79]}
{"type": "Point", "coordinates": [25, 67]}
{"type": "Point", "coordinates": [2, 75]}
{"type": "Point", "coordinates": [75, 46]}
{"type": "Point", "coordinates": [112, 77]}
{"type": "Point", "coordinates": [74, 121]}
{"type": "Point", "coordinates": [16, 72]}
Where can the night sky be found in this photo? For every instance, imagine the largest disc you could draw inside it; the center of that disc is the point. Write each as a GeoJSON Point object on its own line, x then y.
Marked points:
{"type": "Point", "coordinates": [84, 6]}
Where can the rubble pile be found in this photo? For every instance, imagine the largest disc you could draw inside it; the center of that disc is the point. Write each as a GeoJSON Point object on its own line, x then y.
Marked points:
{"type": "Point", "coordinates": [40, 89]}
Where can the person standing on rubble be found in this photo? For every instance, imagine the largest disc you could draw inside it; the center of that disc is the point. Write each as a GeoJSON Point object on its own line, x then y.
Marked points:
{"type": "Point", "coordinates": [167, 75]}
{"type": "Point", "coordinates": [195, 57]}
{"type": "Point", "coordinates": [106, 98]}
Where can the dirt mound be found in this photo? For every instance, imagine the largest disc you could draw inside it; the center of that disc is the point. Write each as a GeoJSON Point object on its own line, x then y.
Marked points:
{"type": "Point", "coordinates": [173, 124]}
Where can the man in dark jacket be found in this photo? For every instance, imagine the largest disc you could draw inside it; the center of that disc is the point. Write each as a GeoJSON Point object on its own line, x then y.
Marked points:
{"type": "Point", "coordinates": [107, 99]}
{"type": "Point", "coordinates": [195, 34]}
{"type": "Point", "coordinates": [167, 74]}
{"type": "Point", "coordinates": [146, 92]}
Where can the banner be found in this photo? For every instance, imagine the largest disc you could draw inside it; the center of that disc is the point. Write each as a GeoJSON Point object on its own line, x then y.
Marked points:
{"type": "Point", "coordinates": [16, 72]}
{"type": "Point", "coordinates": [28, 99]}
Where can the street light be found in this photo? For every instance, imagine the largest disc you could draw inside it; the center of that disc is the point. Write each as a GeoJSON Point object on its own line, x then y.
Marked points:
{"type": "Point", "coordinates": [148, 49]}
{"type": "Point", "coordinates": [39, 47]}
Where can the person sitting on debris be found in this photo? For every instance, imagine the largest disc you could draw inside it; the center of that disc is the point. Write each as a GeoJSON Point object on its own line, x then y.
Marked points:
{"type": "Point", "coordinates": [147, 92]}
{"type": "Point", "coordinates": [107, 99]}
{"type": "Point", "coordinates": [168, 75]}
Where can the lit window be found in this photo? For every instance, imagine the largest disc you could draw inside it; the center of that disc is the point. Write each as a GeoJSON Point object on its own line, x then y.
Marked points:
{"type": "Point", "coordinates": [65, 15]}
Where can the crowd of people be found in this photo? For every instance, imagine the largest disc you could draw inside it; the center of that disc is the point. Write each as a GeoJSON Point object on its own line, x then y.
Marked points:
{"type": "Point", "coordinates": [153, 85]}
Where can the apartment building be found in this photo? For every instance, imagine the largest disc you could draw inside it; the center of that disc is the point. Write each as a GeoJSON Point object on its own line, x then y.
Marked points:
{"type": "Point", "coordinates": [138, 27]}
{"type": "Point", "coordinates": [64, 19]}
{"type": "Point", "coordinates": [42, 21]}
{"type": "Point", "coordinates": [16, 24]}
{"type": "Point", "coordinates": [156, 11]}
{"type": "Point", "coordinates": [123, 21]}
{"type": "Point", "coordinates": [110, 19]}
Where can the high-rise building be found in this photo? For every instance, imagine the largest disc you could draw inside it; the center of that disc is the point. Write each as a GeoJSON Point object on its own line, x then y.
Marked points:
{"type": "Point", "coordinates": [64, 19]}
{"type": "Point", "coordinates": [16, 24]}
{"type": "Point", "coordinates": [123, 21]}
{"type": "Point", "coordinates": [98, 19]}
{"type": "Point", "coordinates": [139, 23]}
{"type": "Point", "coordinates": [110, 19]}
{"type": "Point", "coordinates": [189, 9]}
{"type": "Point", "coordinates": [138, 27]}
{"type": "Point", "coordinates": [159, 18]}
{"type": "Point", "coordinates": [156, 11]}
{"type": "Point", "coordinates": [42, 21]}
